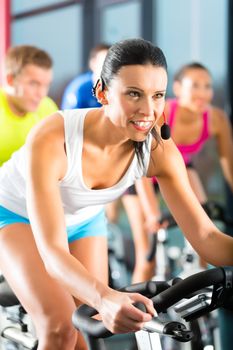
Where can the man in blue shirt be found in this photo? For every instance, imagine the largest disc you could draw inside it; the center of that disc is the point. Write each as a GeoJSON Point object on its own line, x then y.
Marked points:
{"type": "Point", "coordinates": [78, 93]}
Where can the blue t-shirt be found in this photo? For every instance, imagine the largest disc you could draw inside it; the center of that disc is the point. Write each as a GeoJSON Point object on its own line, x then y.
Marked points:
{"type": "Point", "coordinates": [78, 93]}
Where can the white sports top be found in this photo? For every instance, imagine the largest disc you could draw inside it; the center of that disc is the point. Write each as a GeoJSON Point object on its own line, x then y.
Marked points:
{"type": "Point", "coordinates": [79, 202]}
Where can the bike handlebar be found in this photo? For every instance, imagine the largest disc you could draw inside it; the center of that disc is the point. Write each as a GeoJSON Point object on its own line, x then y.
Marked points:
{"type": "Point", "coordinates": [189, 285]}
{"type": "Point", "coordinates": [82, 316]}
{"type": "Point", "coordinates": [82, 320]}
{"type": "Point", "coordinates": [172, 294]}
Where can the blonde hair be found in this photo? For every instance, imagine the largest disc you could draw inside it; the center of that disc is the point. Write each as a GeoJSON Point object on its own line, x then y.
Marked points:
{"type": "Point", "coordinates": [18, 57]}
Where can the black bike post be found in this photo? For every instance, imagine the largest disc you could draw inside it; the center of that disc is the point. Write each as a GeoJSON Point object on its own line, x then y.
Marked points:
{"type": "Point", "coordinates": [94, 344]}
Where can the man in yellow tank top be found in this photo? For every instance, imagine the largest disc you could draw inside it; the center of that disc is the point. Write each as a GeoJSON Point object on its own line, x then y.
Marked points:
{"type": "Point", "coordinates": [23, 99]}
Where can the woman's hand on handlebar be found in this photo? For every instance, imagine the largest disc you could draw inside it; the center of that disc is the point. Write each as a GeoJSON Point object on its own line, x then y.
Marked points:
{"type": "Point", "coordinates": [118, 313]}
{"type": "Point", "coordinates": [154, 223]}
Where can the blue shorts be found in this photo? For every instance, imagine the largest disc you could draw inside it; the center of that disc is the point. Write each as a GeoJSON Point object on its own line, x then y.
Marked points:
{"type": "Point", "coordinates": [95, 226]}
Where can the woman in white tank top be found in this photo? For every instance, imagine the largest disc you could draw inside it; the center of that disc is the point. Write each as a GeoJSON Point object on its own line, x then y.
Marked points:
{"type": "Point", "coordinates": [72, 164]}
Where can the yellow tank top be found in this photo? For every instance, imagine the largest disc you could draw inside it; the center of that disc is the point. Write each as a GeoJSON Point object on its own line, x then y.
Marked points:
{"type": "Point", "coordinates": [14, 128]}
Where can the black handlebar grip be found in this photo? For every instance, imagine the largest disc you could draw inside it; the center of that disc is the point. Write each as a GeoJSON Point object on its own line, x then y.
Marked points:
{"type": "Point", "coordinates": [82, 320]}
{"type": "Point", "coordinates": [145, 288]}
{"type": "Point", "coordinates": [148, 289]}
{"type": "Point", "coordinates": [140, 306]}
{"type": "Point", "coordinates": [82, 316]}
{"type": "Point", "coordinates": [190, 284]}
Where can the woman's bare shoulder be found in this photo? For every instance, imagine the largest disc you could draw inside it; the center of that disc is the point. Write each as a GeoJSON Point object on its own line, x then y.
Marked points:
{"type": "Point", "coordinates": [45, 144]}
{"type": "Point", "coordinates": [218, 118]}
{"type": "Point", "coordinates": [48, 129]}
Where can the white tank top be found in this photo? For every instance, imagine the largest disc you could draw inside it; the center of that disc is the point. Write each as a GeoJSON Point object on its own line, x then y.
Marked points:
{"type": "Point", "coordinates": [79, 202]}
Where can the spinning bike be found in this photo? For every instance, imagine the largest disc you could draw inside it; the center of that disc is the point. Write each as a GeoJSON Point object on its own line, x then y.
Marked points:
{"type": "Point", "coordinates": [185, 262]}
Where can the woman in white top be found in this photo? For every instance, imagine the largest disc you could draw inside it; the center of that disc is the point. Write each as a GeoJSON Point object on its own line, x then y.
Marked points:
{"type": "Point", "coordinates": [53, 234]}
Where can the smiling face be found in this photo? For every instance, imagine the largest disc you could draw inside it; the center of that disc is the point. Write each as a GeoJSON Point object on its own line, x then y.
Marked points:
{"type": "Point", "coordinates": [195, 90]}
{"type": "Point", "coordinates": [28, 88]}
{"type": "Point", "coordinates": [135, 99]}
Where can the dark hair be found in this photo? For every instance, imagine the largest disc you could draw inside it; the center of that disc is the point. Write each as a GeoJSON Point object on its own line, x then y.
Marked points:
{"type": "Point", "coordinates": [179, 75]}
{"type": "Point", "coordinates": [132, 52]}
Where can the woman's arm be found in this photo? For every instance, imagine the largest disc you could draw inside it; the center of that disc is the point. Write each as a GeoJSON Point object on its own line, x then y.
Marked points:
{"type": "Point", "coordinates": [223, 132]}
{"type": "Point", "coordinates": [47, 165]}
{"type": "Point", "coordinates": [168, 166]}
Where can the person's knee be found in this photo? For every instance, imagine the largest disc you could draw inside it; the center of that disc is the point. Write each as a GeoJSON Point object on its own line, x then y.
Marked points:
{"type": "Point", "coordinates": [60, 335]}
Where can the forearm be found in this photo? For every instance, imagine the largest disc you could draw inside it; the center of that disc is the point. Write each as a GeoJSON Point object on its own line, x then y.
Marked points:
{"type": "Point", "coordinates": [49, 229]}
{"type": "Point", "coordinates": [215, 247]}
{"type": "Point", "coordinates": [62, 266]}
{"type": "Point", "coordinates": [211, 244]}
